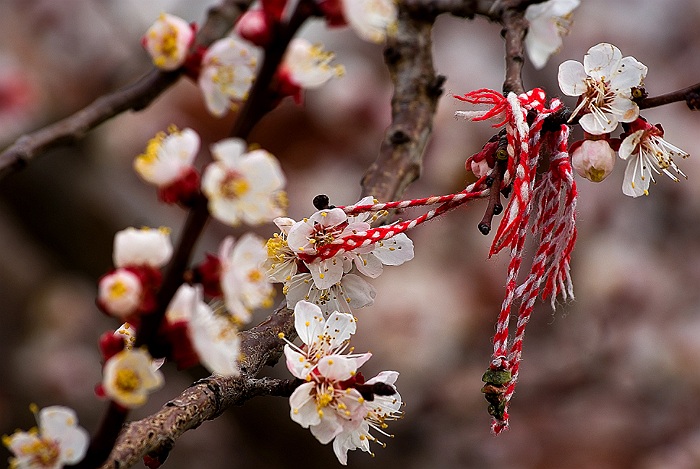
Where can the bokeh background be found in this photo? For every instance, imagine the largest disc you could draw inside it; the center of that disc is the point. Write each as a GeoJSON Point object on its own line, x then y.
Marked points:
{"type": "Point", "coordinates": [611, 380]}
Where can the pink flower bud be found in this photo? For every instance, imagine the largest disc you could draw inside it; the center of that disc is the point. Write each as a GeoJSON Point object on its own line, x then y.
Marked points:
{"type": "Point", "coordinates": [254, 26]}
{"type": "Point", "coordinates": [593, 159]}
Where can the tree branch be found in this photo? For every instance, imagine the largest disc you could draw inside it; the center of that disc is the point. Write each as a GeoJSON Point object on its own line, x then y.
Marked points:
{"type": "Point", "coordinates": [417, 89]}
{"type": "Point", "coordinates": [514, 30]}
{"type": "Point", "coordinates": [691, 95]}
{"type": "Point", "coordinates": [136, 96]}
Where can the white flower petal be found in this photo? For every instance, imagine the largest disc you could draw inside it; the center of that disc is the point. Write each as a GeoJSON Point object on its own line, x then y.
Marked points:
{"type": "Point", "coordinates": [327, 429]}
{"type": "Point", "coordinates": [328, 218]}
{"type": "Point", "coordinates": [388, 377]}
{"type": "Point", "coordinates": [370, 18]}
{"type": "Point", "coordinates": [341, 367]}
{"type": "Point", "coordinates": [630, 143]}
{"type": "Point", "coordinates": [297, 364]}
{"type": "Point", "coordinates": [145, 246]}
{"type": "Point", "coordinates": [229, 151]}
{"type": "Point", "coordinates": [601, 61]}
{"type": "Point", "coordinates": [369, 264]}
{"type": "Point", "coordinates": [263, 171]}
{"type": "Point", "coordinates": [216, 341]}
{"type": "Point", "coordinates": [624, 109]}
{"type": "Point", "coordinates": [326, 272]}
{"type": "Point", "coordinates": [395, 250]}
{"type": "Point", "coordinates": [60, 424]}
{"type": "Point", "coordinates": [308, 321]}
{"type": "Point", "coordinates": [572, 78]}
{"type": "Point", "coordinates": [637, 179]}
{"type": "Point", "coordinates": [303, 406]}
{"type": "Point", "coordinates": [598, 125]}
{"type": "Point", "coordinates": [357, 292]}
{"type": "Point", "coordinates": [338, 328]}
{"type": "Point", "coordinates": [630, 73]}
{"type": "Point", "coordinates": [298, 237]}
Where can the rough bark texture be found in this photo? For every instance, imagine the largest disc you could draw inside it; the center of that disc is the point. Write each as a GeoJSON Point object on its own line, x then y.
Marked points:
{"type": "Point", "coordinates": [417, 88]}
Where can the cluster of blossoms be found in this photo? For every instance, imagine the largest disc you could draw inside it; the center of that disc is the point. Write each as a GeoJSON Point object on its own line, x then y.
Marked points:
{"type": "Point", "coordinates": [607, 85]}
{"type": "Point", "coordinates": [328, 282]}
{"type": "Point", "coordinates": [334, 401]}
{"type": "Point", "coordinates": [226, 70]}
{"type": "Point", "coordinates": [239, 186]}
{"type": "Point", "coordinates": [193, 331]}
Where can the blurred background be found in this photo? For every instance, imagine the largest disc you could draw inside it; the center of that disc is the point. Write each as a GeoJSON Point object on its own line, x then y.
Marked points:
{"type": "Point", "coordinates": [611, 380]}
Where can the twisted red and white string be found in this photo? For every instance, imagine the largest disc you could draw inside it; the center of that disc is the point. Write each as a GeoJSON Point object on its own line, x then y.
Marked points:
{"type": "Point", "coordinates": [554, 225]}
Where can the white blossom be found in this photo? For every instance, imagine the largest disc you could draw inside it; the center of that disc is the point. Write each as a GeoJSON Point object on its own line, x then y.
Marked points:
{"type": "Point", "coordinates": [548, 22]}
{"type": "Point", "coordinates": [376, 413]}
{"type": "Point", "coordinates": [120, 293]}
{"type": "Point", "coordinates": [214, 336]}
{"type": "Point", "coordinates": [243, 186]}
{"type": "Point", "coordinates": [129, 376]}
{"type": "Point", "coordinates": [168, 156]}
{"type": "Point", "coordinates": [215, 339]}
{"type": "Point", "coordinates": [332, 403]}
{"type": "Point", "coordinates": [321, 228]}
{"type": "Point", "coordinates": [228, 71]}
{"type": "Point", "coordinates": [604, 85]}
{"type": "Point", "coordinates": [372, 20]}
{"type": "Point", "coordinates": [321, 337]}
{"type": "Point", "coordinates": [145, 246]}
{"type": "Point", "coordinates": [168, 41]}
{"type": "Point", "coordinates": [308, 65]}
{"type": "Point", "coordinates": [57, 441]}
{"type": "Point", "coordinates": [244, 282]}
{"type": "Point", "coordinates": [647, 153]}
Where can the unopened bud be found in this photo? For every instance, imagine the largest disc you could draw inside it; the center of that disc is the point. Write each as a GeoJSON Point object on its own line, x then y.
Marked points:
{"type": "Point", "coordinates": [593, 159]}
{"type": "Point", "coordinates": [254, 26]}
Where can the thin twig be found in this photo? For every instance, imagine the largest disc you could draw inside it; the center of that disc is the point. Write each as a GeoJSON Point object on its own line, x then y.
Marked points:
{"type": "Point", "coordinates": [691, 95]}
{"type": "Point", "coordinates": [515, 28]}
{"type": "Point", "coordinates": [135, 97]}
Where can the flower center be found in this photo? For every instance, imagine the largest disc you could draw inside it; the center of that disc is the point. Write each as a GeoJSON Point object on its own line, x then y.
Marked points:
{"type": "Point", "coordinates": [168, 43]}
{"type": "Point", "coordinates": [276, 247]}
{"type": "Point", "coordinates": [563, 23]}
{"type": "Point", "coordinates": [127, 380]}
{"type": "Point", "coordinates": [234, 186]}
{"type": "Point", "coordinates": [322, 235]}
{"type": "Point", "coordinates": [597, 93]}
{"type": "Point", "coordinates": [117, 290]}
{"type": "Point", "coordinates": [150, 156]}
{"type": "Point", "coordinates": [44, 452]}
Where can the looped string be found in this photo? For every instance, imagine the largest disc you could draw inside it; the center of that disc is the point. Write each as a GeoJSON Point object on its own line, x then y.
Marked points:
{"type": "Point", "coordinates": [554, 225]}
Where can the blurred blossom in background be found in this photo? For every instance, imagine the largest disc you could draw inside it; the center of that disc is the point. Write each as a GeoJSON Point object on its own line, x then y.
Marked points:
{"type": "Point", "coordinates": [610, 380]}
